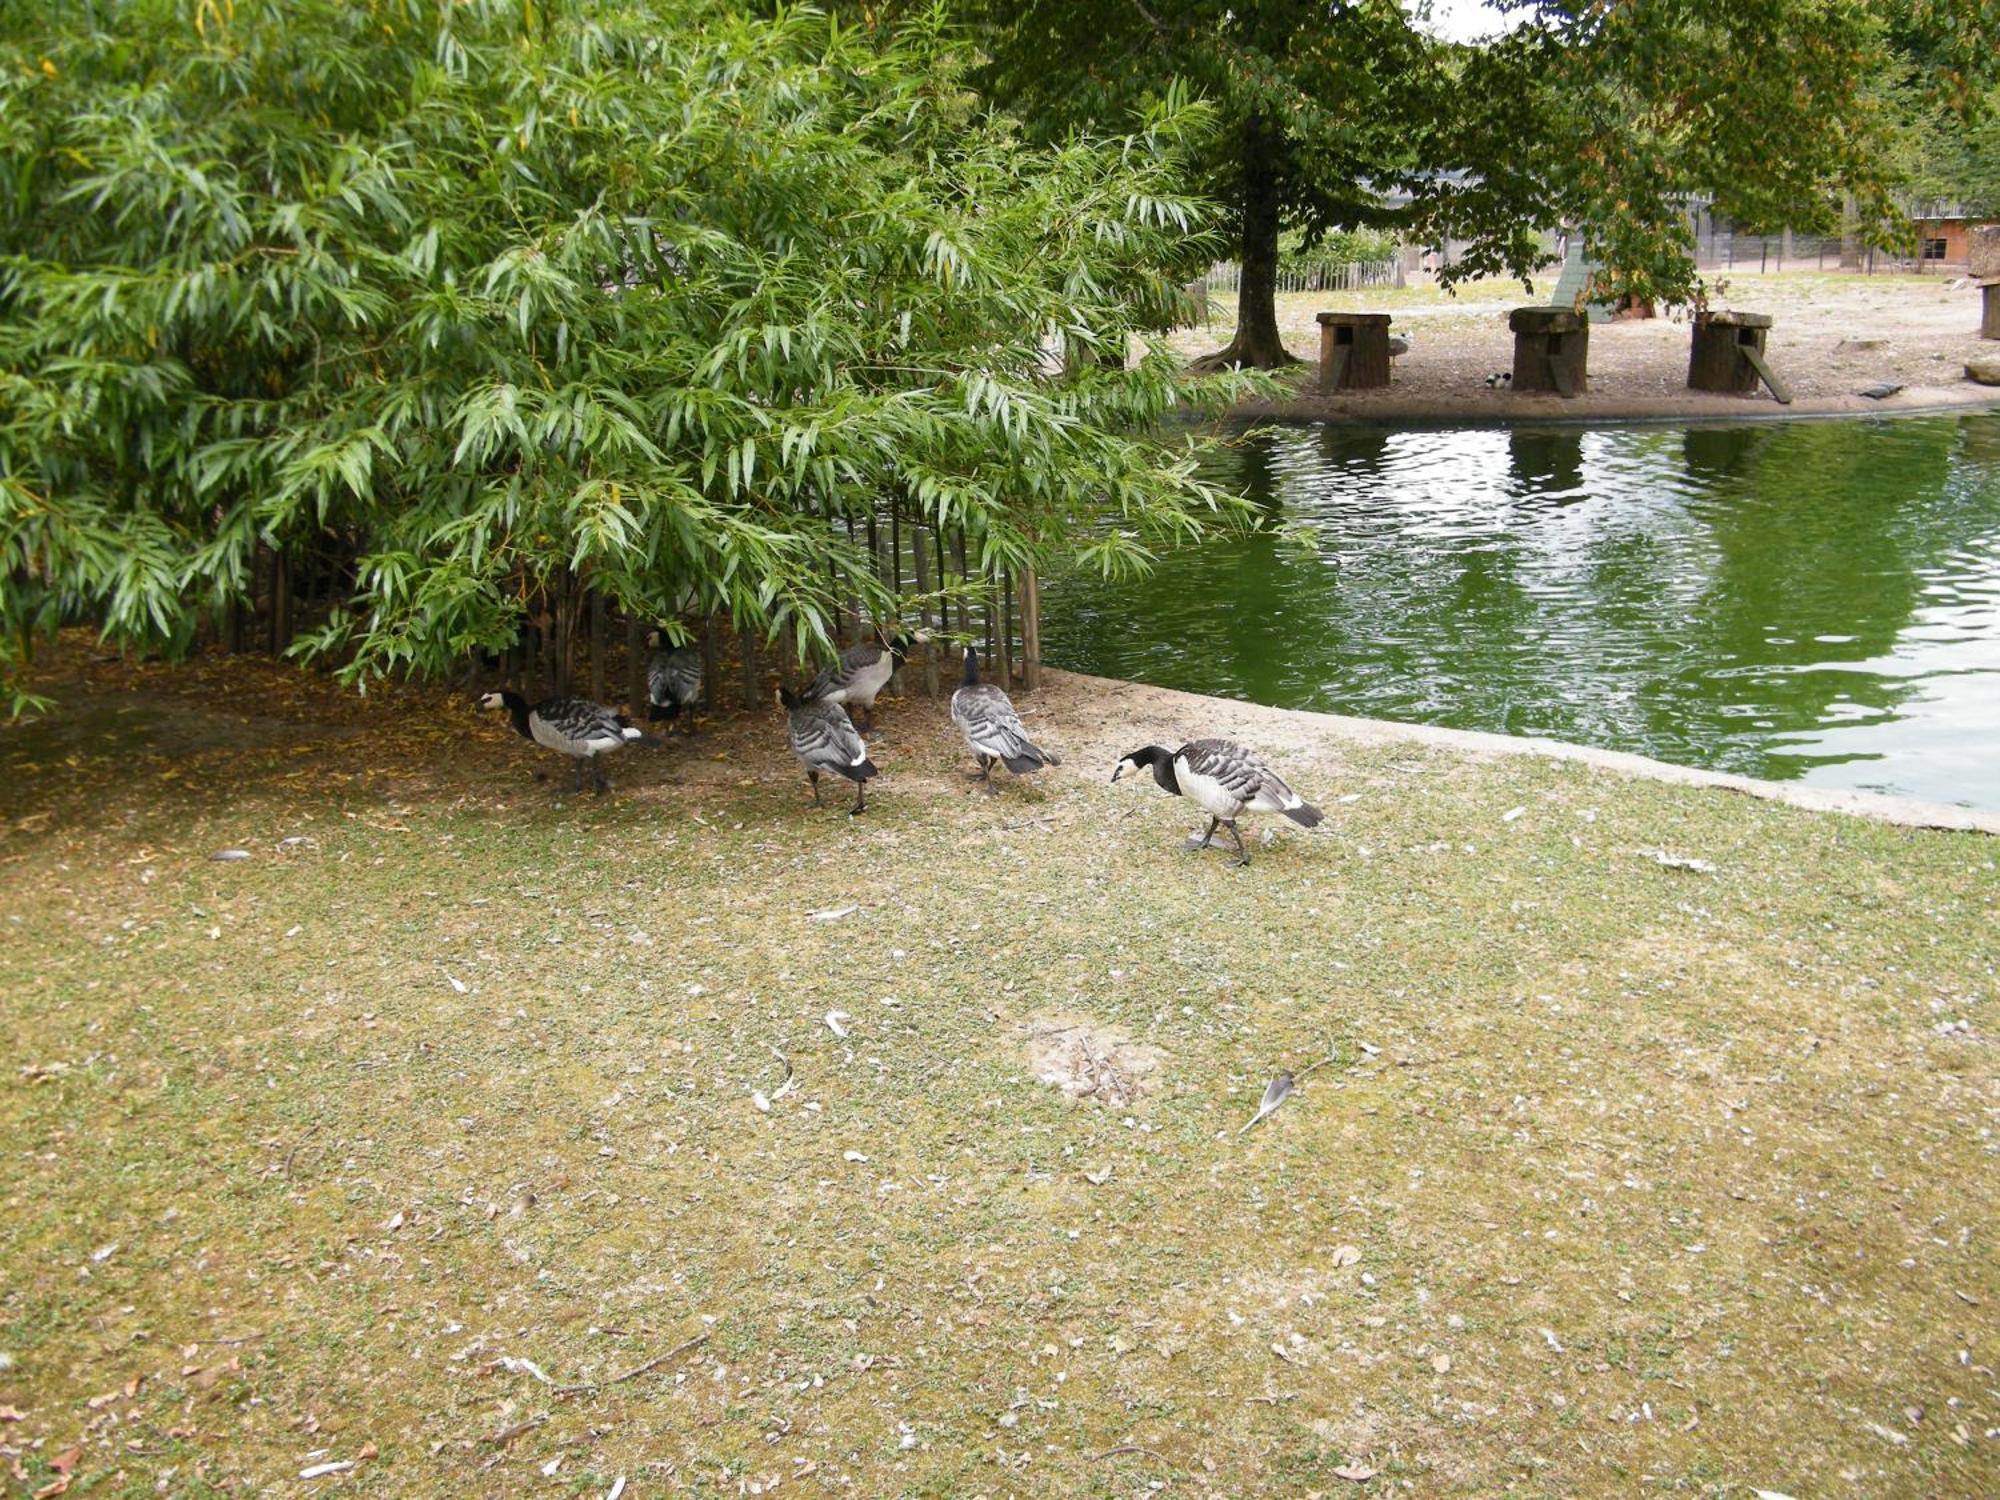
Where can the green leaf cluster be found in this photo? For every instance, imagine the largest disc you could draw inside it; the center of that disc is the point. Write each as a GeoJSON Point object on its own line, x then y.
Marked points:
{"type": "Point", "coordinates": [480, 295]}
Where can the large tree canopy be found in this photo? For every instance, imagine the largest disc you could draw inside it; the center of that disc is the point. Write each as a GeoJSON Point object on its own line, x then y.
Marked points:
{"type": "Point", "coordinates": [652, 293]}
{"type": "Point", "coordinates": [1606, 115]}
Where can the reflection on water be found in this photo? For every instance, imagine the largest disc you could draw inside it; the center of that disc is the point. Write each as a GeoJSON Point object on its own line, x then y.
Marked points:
{"type": "Point", "coordinates": [1816, 600]}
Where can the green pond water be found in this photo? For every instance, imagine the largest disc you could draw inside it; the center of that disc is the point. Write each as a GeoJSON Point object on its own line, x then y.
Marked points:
{"type": "Point", "coordinates": [1815, 601]}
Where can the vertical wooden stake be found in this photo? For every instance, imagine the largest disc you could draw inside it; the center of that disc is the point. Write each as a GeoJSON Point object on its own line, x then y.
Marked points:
{"type": "Point", "coordinates": [1031, 629]}
{"type": "Point", "coordinates": [964, 610]}
{"type": "Point", "coordinates": [924, 611]}
{"type": "Point", "coordinates": [711, 660]}
{"type": "Point", "coordinates": [636, 701]}
{"type": "Point", "coordinates": [596, 646]}
{"type": "Point", "coordinates": [896, 546]}
{"type": "Point", "coordinates": [281, 601]}
{"type": "Point", "coordinates": [1006, 612]}
{"type": "Point", "coordinates": [747, 641]}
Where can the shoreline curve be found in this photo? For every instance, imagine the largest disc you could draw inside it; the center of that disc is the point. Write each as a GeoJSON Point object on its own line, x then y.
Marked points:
{"type": "Point", "coordinates": [1307, 725]}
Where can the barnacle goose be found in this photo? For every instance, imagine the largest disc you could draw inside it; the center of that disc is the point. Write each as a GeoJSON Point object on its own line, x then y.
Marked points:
{"type": "Point", "coordinates": [992, 728]}
{"type": "Point", "coordinates": [570, 726]}
{"type": "Point", "coordinates": [673, 680]}
{"type": "Point", "coordinates": [825, 739]}
{"type": "Point", "coordinates": [861, 673]}
{"type": "Point", "coordinates": [1224, 780]}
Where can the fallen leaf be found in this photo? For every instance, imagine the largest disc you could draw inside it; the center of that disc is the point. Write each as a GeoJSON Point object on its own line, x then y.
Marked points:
{"type": "Point", "coordinates": [317, 1471]}
{"type": "Point", "coordinates": [1098, 1179]}
{"type": "Point", "coordinates": [11, 1414]}
{"type": "Point", "coordinates": [367, 1450]}
{"type": "Point", "coordinates": [227, 856]}
{"type": "Point", "coordinates": [1442, 1364]}
{"type": "Point", "coordinates": [853, 1156]}
{"type": "Point", "coordinates": [833, 915]}
{"type": "Point", "coordinates": [455, 982]}
{"type": "Point", "coordinates": [1359, 1473]}
{"type": "Point", "coordinates": [1511, 814]}
{"type": "Point", "coordinates": [763, 1104]}
{"type": "Point", "coordinates": [836, 1022]}
{"type": "Point", "coordinates": [394, 1221]}
{"type": "Point", "coordinates": [616, 1490]}
{"type": "Point", "coordinates": [1347, 1255]}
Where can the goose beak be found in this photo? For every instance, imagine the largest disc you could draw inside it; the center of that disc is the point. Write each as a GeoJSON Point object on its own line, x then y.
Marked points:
{"type": "Point", "coordinates": [1118, 770]}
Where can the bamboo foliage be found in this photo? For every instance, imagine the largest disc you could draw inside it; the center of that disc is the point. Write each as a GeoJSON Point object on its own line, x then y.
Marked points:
{"type": "Point", "coordinates": [473, 302]}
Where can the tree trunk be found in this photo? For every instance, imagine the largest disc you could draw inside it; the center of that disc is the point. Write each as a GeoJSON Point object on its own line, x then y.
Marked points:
{"type": "Point", "coordinates": [1257, 343]}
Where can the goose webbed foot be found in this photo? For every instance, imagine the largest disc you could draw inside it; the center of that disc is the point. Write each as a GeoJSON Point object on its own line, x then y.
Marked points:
{"type": "Point", "coordinates": [860, 800]}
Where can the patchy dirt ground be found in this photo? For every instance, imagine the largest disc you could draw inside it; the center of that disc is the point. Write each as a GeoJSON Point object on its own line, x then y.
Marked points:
{"type": "Point", "coordinates": [1834, 334]}
{"type": "Point", "coordinates": [481, 1140]}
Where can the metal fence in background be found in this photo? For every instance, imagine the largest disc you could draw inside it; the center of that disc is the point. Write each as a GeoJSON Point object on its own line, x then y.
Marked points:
{"type": "Point", "coordinates": [1313, 275]}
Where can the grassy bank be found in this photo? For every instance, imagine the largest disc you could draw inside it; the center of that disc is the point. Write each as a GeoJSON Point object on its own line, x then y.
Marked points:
{"type": "Point", "coordinates": [1622, 1178]}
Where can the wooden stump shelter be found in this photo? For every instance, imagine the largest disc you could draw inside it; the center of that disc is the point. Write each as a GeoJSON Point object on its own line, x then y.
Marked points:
{"type": "Point", "coordinates": [1353, 351]}
{"type": "Point", "coordinates": [1551, 350]}
{"type": "Point", "coordinates": [1726, 354]}
{"type": "Point", "coordinates": [1983, 260]}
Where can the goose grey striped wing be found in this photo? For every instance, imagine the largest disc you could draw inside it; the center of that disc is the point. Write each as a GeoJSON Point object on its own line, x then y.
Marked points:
{"type": "Point", "coordinates": [992, 727]}
{"type": "Point", "coordinates": [576, 726]}
{"type": "Point", "coordinates": [674, 676]}
{"type": "Point", "coordinates": [854, 663]}
{"type": "Point", "coordinates": [1237, 774]}
{"type": "Point", "coordinates": [825, 739]}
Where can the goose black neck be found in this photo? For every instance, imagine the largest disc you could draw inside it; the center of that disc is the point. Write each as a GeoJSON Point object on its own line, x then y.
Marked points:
{"type": "Point", "coordinates": [517, 710]}
{"type": "Point", "coordinates": [1161, 759]}
{"type": "Point", "coordinates": [971, 678]}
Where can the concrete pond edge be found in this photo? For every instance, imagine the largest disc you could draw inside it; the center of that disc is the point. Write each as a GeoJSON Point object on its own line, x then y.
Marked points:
{"type": "Point", "coordinates": [1905, 812]}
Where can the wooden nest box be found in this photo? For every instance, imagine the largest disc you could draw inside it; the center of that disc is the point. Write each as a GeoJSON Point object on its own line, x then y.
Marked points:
{"type": "Point", "coordinates": [1353, 351]}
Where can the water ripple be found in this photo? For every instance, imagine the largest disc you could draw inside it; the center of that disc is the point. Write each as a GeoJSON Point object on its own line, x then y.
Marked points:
{"type": "Point", "coordinates": [1808, 600]}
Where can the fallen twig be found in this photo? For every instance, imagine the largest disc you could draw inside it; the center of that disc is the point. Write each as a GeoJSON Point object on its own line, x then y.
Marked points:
{"type": "Point", "coordinates": [242, 1338]}
{"type": "Point", "coordinates": [1130, 1448]}
{"type": "Point", "coordinates": [285, 1170]}
{"type": "Point", "coordinates": [507, 1435]}
{"type": "Point", "coordinates": [637, 1370]}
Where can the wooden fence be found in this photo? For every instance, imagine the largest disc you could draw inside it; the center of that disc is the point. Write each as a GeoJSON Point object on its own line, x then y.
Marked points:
{"type": "Point", "coordinates": [1296, 275]}
{"type": "Point", "coordinates": [573, 639]}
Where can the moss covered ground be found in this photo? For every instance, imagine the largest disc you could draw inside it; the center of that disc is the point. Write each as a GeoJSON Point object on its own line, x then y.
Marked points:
{"type": "Point", "coordinates": [415, 1140]}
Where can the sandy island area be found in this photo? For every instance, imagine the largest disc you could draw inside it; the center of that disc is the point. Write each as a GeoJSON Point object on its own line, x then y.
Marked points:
{"type": "Point", "coordinates": [1833, 335]}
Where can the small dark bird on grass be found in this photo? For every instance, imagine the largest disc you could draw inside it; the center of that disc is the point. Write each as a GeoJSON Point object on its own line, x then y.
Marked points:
{"type": "Point", "coordinates": [859, 676]}
{"type": "Point", "coordinates": [673, 680]}
{"type": "Point", "coordinates": [825, 739]}
{"type": "Point", "coordinates": [1225, 781]}
{"type": "Point", "coordinates": [575, 727]}
{"type": "Point", "coordinates": [992, 728]}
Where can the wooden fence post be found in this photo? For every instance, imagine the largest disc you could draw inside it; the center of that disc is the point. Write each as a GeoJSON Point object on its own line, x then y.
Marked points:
{"type": "Point", "coordinates": [636, 698]}
{"type": "Point", "coordinates": [596, 646]}
{"type": "Point", "coordinates": [924, 612]}
{"type": "Point", "coordinates": [1031, 629]}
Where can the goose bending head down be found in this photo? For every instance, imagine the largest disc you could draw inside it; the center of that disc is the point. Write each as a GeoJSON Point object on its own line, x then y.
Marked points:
{"type": "Point", "coordinates": [1225, 780]}
{"type": "Point", "coordinates": [575, 727]}
{"type": "Point", "coordinates": [985, 715]}
{"type": "Point", "coordinates": [825, 740]}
